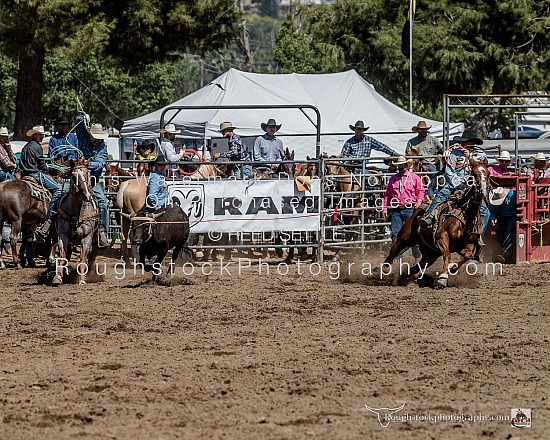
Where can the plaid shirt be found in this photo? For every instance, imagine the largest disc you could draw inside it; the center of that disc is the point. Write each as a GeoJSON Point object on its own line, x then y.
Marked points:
{"type": "Point", "coordinates": [7, 158]}
{"type": "Point", "coordinates": [238, 151]}
{"type": "Point", "coordinates": [362, 147]}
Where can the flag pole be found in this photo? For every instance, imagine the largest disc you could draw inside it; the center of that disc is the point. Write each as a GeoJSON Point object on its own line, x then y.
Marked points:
{"type": "Point", "coordinates": [411, 18]}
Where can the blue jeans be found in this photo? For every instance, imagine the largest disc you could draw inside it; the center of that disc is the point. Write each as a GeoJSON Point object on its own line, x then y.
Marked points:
{"type": "Point", "coordinates": [398, 217]}
{"type": "Point", "coordinates": [246, 172]}
{"type": "Point", "coordinates": [6, 175]}
{"type": "Point", "coordinates": [55, 188]}
{"type": "Point", "coordinates": [445, 192]}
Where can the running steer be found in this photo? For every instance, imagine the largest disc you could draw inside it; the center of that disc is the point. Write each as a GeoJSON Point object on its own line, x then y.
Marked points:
{"type": "Point", "coordinates": [154, 236]}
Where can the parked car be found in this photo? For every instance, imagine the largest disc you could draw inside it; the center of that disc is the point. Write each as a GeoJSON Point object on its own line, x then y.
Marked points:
{"type": "Point", "coordinates": [524, 132]}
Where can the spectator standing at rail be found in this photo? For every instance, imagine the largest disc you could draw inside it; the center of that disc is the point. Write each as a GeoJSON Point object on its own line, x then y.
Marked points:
{"type": "Point", "coordinates": [268, 147]}
{"type": "Point", "coordinates": [502, 169]}
{"type": "Point", "coordinates": [404, 193]}
{"type": "Point", "coordinates": [504, 215]}
{"type": "Point", "coordinates": [361, 145]}
{"type": "Point", "coordinates": [425, 145]}
{"type": "Point", "coordinates": [62, 139]}
{"type": "Point", "coordinates": [540, 171]}
{"type": "Point", "coordinates": [167, 148]}
{"type": "Point", "coordinates": [238, 151]}
{"type": "Point", "coordinates": [8, 161]}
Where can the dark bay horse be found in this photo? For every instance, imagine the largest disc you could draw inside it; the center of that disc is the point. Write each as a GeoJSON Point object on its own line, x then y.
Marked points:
{"type": "Point", "coordinates": [452, 235]}
{"type": "Point", "coordinates": [78, 222]}
{"type": "Point", "coordinates": [23, 211]}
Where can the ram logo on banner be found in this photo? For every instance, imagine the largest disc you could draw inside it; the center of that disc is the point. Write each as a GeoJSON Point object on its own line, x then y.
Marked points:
{"type": "Point", "coordinates": [191, 198]}
{"type": "Point", "coordinates": [248, 206]}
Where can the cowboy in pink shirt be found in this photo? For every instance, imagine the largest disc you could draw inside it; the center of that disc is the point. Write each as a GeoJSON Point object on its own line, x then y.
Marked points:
{"type": "Point", "coordinates": [501, 169]}
{"type": "Point", "coordinates": [404, 193]}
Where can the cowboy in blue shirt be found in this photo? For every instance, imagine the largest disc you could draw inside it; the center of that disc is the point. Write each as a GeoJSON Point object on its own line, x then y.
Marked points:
{"type": "Point", "coordinates": [157, 191]}
{"type": "Point", "coordinates": [62, 139]}
{"type": "Point", "coordinates": [361, 145]}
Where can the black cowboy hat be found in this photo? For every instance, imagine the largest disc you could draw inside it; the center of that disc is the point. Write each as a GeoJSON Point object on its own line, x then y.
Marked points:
{"type": "Point", "coordinates": [468, 135]}
{"type": "Point", "coordinates": [144, 145]}
{"type": "Point", "coordinates": [62, 120]}
{"type": "Point", "coordinates": [359, 124]}
{"type": "Point", "coordinates": [159, 160]}
{"type": "Point", "coordinates": [270, 122]}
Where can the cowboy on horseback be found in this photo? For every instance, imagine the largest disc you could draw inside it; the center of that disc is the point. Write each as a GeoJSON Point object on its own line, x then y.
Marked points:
{"type": "Point", "coordinates": [457, 176]}
{"type": "Point", "coordinates": [33, 164]}
{"type": "Point", "coordinates": [8, 161]}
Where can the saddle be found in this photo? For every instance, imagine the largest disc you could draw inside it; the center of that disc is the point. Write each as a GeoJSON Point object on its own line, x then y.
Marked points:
{"type": "Point", "coordinates": [451, 208]}
{"type": "Point", "coordinates": [38, 191]}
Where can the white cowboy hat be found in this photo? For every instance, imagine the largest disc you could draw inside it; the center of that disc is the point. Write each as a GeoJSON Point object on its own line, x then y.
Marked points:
{"type": "Point", "coordinates": [170, 128]}
{"type": "Point", "coordinates": [498, 195]}
{"type": "Point", "coordinates": [538, 156]}
{"type": "Point", "coordinates": [303, 183]}
{"type": "Point", "coordinates": [226, 126]}
{"type": "Point", "coordinates": [37, 129]}
{"type": "Point", "coordinates": [4, 131]}
{"type": "Point", "coordinates": [421, 124]}
{"type": "Point", "coordinates": [401, 160]}
{"type": "Point", "coordinates": [505, 155]}
{"type": "Point", "coordinates": [97, 132]}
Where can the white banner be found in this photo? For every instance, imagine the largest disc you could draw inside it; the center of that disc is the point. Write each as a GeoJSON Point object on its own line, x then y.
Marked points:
{"type": "Point", "coordinates": [261, 205]}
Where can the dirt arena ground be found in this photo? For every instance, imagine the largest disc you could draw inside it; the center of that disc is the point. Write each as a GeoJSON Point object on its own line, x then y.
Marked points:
{"type": "Point", "coordinates": [252, 356]}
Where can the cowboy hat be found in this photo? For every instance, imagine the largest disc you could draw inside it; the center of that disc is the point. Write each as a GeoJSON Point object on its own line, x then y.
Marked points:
{"type": "Point", "coordinates": [468, 135]}
{"type": "Point", "coordinates": [226, 126]}
{"type": "Point", "coordinates": [303, 183]}
{"type": "Point", "coordinates": [359, 124]}
{"type": "Point", "coordinates": [62, 120]}
{"type": "Point", "coordinates": [4, 131]}
{"type": "Point", "coordinates": [271, 121]}
{"type": "Point", "coordinates": [401, 160]}
{"type": "Point", "coordinates": [97, 132]}
{"type": "Point", "coordinates": [145, 145]}
{"type": "Point", "coordinates": [37, 129]}
{"type": "Point", "coordinates": [159, 160]}
{"type": "Point", "coordinates": [498, 195]}
{"type": "Point", "coordinates": [421, 124]}
{"type": "Point", "coordinates": [505, 155]}
{"type": "Point", "coordinates": [170, 128]}
{"type": "Point", "coordinates": [539, 156]}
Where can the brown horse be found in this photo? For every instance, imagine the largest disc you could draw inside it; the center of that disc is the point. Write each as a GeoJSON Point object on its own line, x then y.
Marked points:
{"type": "Point", "coordinates": [23, 211]}
{"type": "Point", "coordinates": [452, 235]}
{"type": "Point", "coordinates": [78, 221]}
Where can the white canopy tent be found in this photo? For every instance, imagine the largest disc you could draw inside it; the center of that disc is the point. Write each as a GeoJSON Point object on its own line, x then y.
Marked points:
{"type": "Point", "coordinates": [342, 99]}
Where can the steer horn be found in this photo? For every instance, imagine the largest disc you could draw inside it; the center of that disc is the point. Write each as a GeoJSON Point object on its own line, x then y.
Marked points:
{"type": "Point", "coordinates": [123, 214]}
{"type": "Point", "coordinates": [157, 215]}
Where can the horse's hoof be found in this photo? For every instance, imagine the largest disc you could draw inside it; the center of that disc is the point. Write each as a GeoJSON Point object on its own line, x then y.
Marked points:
{"type": "Point", "coordinates": [2, 266]}
{"type": "Point", "coordinates": [441, 283]}
{"type": "Point", "coordinates": [82, 282]}
{"type": "Point", "coordinates": [18, 267]}
{"type": "Point", "coordinates": [57, 280]}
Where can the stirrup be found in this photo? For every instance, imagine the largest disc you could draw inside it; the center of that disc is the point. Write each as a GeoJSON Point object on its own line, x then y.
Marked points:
{"type": "Point", "coordinates": [103, 241]}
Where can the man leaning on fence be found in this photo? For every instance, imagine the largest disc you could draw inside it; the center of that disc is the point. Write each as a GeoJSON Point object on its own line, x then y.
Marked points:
{"type": "Point", "coordinates": [361, 145]}
{"type": "Point", "coordinates": [424, 144]}
{"type": "Point", "coordinates": [238, 151]}
{"type": "Point", "coordinates": [268, 147]}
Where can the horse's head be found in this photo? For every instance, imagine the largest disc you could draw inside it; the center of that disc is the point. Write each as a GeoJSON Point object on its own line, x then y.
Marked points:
{"type": "Point", "coordinates": [286, 168]}
{"type": "Point", "coordinates": [480, 171]}
{"type": "Point", "coordinates": [80, 179]}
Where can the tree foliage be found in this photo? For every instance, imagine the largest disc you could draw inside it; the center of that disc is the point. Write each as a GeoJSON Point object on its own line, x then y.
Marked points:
{"type": "Point", "coordinates": [489, 46]}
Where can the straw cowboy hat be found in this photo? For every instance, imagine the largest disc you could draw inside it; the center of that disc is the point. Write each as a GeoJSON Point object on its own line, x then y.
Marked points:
{"type": "Point", "coordinates": [37, 129]}
{"type": "Point", "coordinates": [468, 135]}
{"type": "Point", "coordinates": [421, 124]}
{"type": "Point", "coordinates": [498, 195]}
{"type": "Point", "coordinates": [539, 156]}
{"type": "Point", "coordinates": [505, 155]}
{"type": "Point", "coordinates": [359, 124]}
{"type": "Point", "coordinates": [170, 128]}
{"type": "Point", "coordinates": [303, 183]}
{"type": "Point", "coordinates": [401, 160]}
{"type": "Point", "coordinates": [4, 131]}
{"type": "Point", "coordinates": [271, 121]}
{"type": "Point", "coordinates": [159, 160]}
{"type": "Point", "coordinates": [227, 126]}
{"type": "Point", "coordinates": [97, 132]}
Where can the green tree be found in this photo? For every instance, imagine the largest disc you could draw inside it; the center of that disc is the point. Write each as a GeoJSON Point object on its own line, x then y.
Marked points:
{"type": "Point", "coordinates": [133, 33]}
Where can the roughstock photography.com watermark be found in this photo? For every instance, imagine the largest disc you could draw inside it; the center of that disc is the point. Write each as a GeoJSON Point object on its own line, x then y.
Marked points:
{"type": "Point", "coordinates": [244, 266]}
